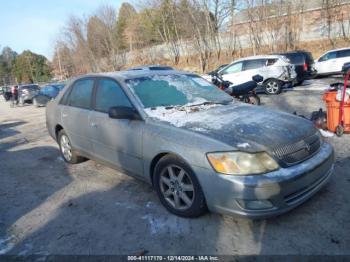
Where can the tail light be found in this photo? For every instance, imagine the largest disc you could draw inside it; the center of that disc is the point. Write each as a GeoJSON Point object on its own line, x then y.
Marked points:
{"type": "Point", "coordinates": [305, 67]}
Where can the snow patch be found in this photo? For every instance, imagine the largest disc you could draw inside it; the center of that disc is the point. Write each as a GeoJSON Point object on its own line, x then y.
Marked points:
{"type": "Point", "coordinates": [167, 225]}
{"type": "Point", "coordinates": [150, 204]}
{"type": "Point", "coordinates": [196, 114]}
{"type": "Point", "coordinates": [243, 145]}
{"type": "Point", "coordinates": [6, 244]}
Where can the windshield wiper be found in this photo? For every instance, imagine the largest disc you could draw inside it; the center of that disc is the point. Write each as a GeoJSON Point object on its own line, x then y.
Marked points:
{"type": "Point", "coordinates": [208, 103]}
{"type": "Point", "coordinates": [182, 107]}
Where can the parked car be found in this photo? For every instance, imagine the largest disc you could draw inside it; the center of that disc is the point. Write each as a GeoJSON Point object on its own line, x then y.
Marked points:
{"type": "Point", "coordinates": [7, 93]}
{"type": "Point", "coordinates": [197, 146]}
{"type": "Point", "coordinates": [276, 70]}
{"type": "Point", "coordinates": [332, 61]}
{"type": "Point", "coordinates": [26, 93]}
{"type": "Point", "coordinates": [46, 94]}
{"type": "Point", "coordinates": [303, 63]}
{"type": "Point", "coordinates": [151, 67]}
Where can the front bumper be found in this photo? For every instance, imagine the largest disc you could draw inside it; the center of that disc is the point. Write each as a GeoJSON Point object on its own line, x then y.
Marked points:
{"type": "Point", "coordinates": [27, 97]}
{"type": "Point", "coordinates": [284, 189]}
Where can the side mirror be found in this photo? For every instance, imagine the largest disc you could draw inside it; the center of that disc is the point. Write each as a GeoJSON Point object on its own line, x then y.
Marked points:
{"type": "Point", "coordinates": [123, 112]}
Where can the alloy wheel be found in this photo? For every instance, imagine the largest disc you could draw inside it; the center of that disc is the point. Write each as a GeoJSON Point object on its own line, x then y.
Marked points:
{"type": "Point", "coordinates": [272, 87]}
{"type": "Point", "coordinates": [177, 187]}
{"type": "Point", "coordinates": [66, 148]}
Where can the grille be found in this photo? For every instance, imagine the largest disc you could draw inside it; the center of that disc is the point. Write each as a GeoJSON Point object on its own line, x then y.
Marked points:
{"type": "Point", "coordinates": [298, 152]}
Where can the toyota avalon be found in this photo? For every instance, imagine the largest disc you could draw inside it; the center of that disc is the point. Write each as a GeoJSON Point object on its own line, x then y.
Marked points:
{"type": "Point", "coordinates": [196, 146]}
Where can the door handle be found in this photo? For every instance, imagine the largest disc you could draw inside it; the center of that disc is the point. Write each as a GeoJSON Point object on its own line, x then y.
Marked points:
{"type": "Point", "coordinates": [92, 124]}
{"type": "Point", "coordinates": [64, 115]}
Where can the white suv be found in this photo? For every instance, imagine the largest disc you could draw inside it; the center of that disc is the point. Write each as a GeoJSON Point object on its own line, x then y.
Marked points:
{"type": "Point", "coordinates": [332, 61]}
{"type": "Point", "coordinates": [275, 69]}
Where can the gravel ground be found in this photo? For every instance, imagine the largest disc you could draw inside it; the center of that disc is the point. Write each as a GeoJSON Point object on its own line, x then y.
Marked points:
{"type": "Point", "coordinates": [49, 207]}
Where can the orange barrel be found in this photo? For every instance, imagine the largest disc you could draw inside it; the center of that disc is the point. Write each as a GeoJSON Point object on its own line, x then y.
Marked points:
{"type": "Point", "coordinates": [333, 111]}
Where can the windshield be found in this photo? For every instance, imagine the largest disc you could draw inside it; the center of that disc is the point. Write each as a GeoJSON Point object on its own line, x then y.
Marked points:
{"type": "Point", "coordinates": [175, 90]}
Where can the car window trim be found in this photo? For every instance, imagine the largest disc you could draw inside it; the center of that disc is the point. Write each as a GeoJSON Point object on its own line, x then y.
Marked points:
{"type": "Point", "coordinates": [71, 88]}
{"type": "Point", "coordinates": [97, 81]}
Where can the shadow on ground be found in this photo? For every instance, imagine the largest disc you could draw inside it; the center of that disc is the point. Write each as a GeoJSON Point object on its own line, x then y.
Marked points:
{"type": "Point", "coordinates": [7, 128]}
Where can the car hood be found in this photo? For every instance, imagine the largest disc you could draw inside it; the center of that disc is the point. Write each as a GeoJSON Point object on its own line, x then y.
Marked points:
{"type": "Point", "coordinates": [245, 127]}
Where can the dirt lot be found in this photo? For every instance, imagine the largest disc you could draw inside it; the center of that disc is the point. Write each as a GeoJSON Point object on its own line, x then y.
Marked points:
{"type": "Point", "coordinates": [48, 207]}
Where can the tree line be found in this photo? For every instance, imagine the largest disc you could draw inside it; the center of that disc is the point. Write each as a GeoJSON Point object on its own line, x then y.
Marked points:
{"type": "Point", "coordinates": [25, 68]}
{"type": "Point", "coordinates": [109, 40]}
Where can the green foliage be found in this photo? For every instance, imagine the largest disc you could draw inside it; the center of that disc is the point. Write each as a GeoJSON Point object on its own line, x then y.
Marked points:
{"type": "Point", "coordinates": [125, 12]}
{"type": "Point", "coordinates": [30, 68]}
{"type": "Point", "coordinates": [7, 58]}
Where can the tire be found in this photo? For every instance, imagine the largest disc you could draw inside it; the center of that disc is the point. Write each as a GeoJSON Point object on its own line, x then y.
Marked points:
{"type": "Point", "coordinates": [35, 103]}
{"type": "Point", "coordinates": [252, 99]}
{"type": "Point", "coordinates": [64, 143]}
{"type": "Point", "coordinates": [273, 86]}
{"type": "Point", "coordinates": [339, 131]}
{"type": "Point", "coordinates": [299, 83]}
{"type": "Point", "coordinates": [21, 102]}
{"type": "Point", "coordinates": [179, 191]}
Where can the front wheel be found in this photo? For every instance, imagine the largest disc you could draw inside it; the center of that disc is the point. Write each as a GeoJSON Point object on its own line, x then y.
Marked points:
{"type": "Point", "coordinates": [21, 102]}
{"type": "Point", "coordinates": [273, 87]}
{"type": "Point", "coordinates": [178, 188]}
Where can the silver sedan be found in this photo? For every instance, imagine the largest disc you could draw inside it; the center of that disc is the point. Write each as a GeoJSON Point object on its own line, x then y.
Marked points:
{"type": "Point", "coordinates": [198, 148]}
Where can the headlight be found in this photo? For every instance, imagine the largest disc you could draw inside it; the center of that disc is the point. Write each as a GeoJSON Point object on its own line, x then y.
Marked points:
{"type": "Point", "coordinates": [241, 163]}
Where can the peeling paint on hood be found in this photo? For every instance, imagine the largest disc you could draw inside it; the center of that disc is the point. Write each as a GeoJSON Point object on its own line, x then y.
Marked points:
{"type": "Point", "coordinates": [239, 124]}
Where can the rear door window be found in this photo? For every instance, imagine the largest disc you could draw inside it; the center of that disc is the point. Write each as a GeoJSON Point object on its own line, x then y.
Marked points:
{"type": "Point", "coordinates": [110, 94]}
{"type": "Point", "coordinates": [295, 58]}
{"type": "Point", "coordinates": [254, 64]}
{"type": "Point", "coordinates": [80, 96]}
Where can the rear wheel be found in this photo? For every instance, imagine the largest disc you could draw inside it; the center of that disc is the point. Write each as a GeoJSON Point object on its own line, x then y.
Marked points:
{"type": "Point", "coordinates": [339, 130]}
{"type": "Point", "coordinates": [178, 188]}
{"type": "Point", "coordinates": [273, 86]}
{"type": "Point", "coordinates": [67, 152]}
{"type": "Point", "coordinates": [252, 99]}
{"type": "Point", "coordinates": [35, 103]}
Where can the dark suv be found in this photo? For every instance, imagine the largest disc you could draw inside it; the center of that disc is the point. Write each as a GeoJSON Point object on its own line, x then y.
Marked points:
{"type": "Point", "coordinates": [26, 93]}
{"type": "Point", "coordinates": [304, 64]}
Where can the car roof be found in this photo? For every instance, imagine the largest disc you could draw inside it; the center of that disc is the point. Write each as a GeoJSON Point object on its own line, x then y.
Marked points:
{"type": "Point", "coordinates": [149, 67]}
{"type": "Point", "coordinates": [130, 74]}
{"type": "Point", "coordinates": [259, 57]}
{"type": "Point", "coordinates": [295, 52]}
{"type": "Point", "coordinates": [339, 49]}
{"type": "Point", "coordinates": [28, 85]}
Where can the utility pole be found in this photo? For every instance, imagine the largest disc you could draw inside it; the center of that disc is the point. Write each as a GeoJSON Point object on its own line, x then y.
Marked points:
{"type": "Point", "coordinates": [59, 62]}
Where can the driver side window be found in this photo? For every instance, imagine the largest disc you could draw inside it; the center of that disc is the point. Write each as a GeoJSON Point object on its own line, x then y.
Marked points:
{"type": "Point", "coordinates": [235, 68]}
{"type": "Point", "coordinates": [110, 94]}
